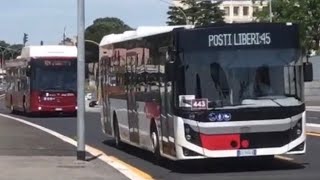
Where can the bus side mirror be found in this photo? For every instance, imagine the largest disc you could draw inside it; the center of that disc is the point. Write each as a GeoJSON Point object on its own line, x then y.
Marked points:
{"type": "Point", "coordinates": [170, 70]}
{"type": "Point", "coordinates": [307, 72]}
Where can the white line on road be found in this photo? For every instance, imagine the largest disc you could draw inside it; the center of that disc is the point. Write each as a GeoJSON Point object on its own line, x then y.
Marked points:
{"type": "Point", "coordinates": [124, 168]}
{"type": "Point", "coordinates": [313, 108]}
{"type": "Point", "coordinates": [313, 117]}
{"type": "Point", "coordinates": [313, 128]}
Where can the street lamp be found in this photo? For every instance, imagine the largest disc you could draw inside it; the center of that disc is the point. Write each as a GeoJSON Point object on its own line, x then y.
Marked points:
{"type": "Point", "coordinates": [81, 154]}
{"type": "Point", "coordinates": [93, 42]}
{"type": "Point", "coordinates": [270, 10]}
{"type": "Point", "coordinates": [180, 9]}
{"type": "Point", "coordinates": [99, 78]}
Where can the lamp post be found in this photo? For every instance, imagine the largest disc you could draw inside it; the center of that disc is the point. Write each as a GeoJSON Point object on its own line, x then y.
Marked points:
{"type": "Point", "coordinates": [180, 9]}
{"type": "Point", "coordinates": [270, 10]}
{"type": "Point", "coordinates": [98, 89]}
{"type": "Point", "coordinates": [81, 155]}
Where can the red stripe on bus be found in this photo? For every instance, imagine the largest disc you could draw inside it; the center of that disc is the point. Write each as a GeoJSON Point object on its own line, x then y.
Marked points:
{"type": "Point", "coordinates": [220, 142]}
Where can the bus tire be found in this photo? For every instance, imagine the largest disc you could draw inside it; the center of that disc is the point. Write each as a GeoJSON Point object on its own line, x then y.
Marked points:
{"type": "Point", "coordinates": [155, 142]}
{"type": "Point", "coordinates": [24, 106]}
{"type": "Point", "coordinates": [117, 138]}
{"type": "Point", "coordinates": [11, 106]}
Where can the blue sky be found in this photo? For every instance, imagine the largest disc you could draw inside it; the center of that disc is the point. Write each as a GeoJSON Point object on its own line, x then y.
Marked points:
{"type": "Point", "coordinates": [46, 19]}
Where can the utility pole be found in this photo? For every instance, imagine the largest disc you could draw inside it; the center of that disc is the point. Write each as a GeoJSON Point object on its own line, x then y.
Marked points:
{"type": "Point", "coordinates": [270, 10]}
{"type": "Point", "coordinates": [81, 154]}
{"type": "Point", "coordinates": [64, 36]}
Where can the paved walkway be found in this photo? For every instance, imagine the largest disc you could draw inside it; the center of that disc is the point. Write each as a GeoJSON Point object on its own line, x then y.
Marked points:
{"type": "Point", "coordinates": [27, 153]}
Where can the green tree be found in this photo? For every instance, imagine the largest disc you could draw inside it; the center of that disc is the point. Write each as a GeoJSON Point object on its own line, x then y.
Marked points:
{"type": "Point", "coordinates": [304, 12]}
{"type": "Point", "coordinates": [10, 50]}
{"type": "Point", "coordinates": [95, 32]}
{"type": "Point", "coordinates": [195, 12]}
{"type": "Point", "coordinates": [105, 26]}
{"type": "Point", "coordinates": [100, 28]}
{"type": "Point", "coordinates": [17, 49]}
{"type": "Point", "coordinates": [4, 44]}
{"type": "Point", "coordinates": [175, 16]}
{"type": "Point", "coordinates": [210, 13]}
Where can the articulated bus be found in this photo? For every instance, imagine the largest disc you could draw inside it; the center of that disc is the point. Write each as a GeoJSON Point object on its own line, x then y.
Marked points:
{"type": "Point", "coordinates": [224, 90]}
{"type": "Point", "coordinates": [43, 80]}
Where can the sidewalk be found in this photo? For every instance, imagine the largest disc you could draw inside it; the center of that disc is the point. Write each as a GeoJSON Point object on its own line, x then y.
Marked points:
{"type": "Point", "coordinates": [314, 102]}
{"type": "Point", "coordinates": [96, 109]}
{"type": "Point", "coordinates": [27, 153]}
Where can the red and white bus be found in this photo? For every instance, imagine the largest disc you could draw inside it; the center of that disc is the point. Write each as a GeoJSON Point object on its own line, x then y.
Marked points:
{"type": "Point", "coordinates": [43, 80]}
{"type": "Point", "coordinates": [226, 90]}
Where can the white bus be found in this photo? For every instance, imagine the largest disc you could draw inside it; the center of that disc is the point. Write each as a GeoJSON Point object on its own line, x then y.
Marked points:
{"type": "Point", "coordinates": [226, 90]}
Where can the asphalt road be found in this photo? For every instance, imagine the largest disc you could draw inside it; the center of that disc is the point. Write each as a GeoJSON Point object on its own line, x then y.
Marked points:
{"type": "Point", "coordinates": [313, 117]}
{"type": "Point", "coordinates": [301, 167]}
{"type": "Point", "coordinates": [18, 139]}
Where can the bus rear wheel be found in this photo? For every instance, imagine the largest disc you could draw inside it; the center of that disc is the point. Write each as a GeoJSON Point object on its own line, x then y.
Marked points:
{"type": "Point", "coordinates": [11, 106]}
{"type": "Point", "coordinates": [24, 106]}
{"type": "Point", "coordinates": [155, 142]}
{"type": "Point", "coordinates": [11, 109]}
{"type": "Point", "coordinates": [117, 138]}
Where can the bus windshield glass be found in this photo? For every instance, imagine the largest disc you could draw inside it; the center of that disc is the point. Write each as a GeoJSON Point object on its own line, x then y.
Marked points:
{"type": "Point", "coordinates": [54, 75]}
{"type": "Point", "coordinates": [228, 78]}
{"type": "Point", "coordinates": [234, 71]}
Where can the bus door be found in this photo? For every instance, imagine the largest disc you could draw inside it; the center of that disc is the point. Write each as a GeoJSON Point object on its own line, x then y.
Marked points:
{"type": "Point", "coordinates": [167, 126]}
{"type": "Point", "coordinates": [133, 121]}
{"type": "Point", "coordinates": [105, 86]}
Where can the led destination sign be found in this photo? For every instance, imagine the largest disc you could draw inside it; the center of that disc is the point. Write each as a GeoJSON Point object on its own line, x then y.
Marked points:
{"type": "Point", "coordinates": [238, 36]}
{"type": "Point", "coordinates": [57, 63]}
{"type": "Point", "coordinates": [239, 39]}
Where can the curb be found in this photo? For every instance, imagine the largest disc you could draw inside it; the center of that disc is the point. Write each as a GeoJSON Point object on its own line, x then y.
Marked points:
{"type": "Point", "coordinates": [312, 108]}
{"type": "Point", "coordinates": [313, 128]}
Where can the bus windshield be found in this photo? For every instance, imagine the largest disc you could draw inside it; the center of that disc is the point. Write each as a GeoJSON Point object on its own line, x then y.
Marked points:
{"type": "Point", "coordinates": [236, 77]}
{"type": "Point", "coordinates": [54, 75]}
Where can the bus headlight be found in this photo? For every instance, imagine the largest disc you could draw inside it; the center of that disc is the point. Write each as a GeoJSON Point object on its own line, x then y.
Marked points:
{"type": "Point", "coordinates": [191, 135]}
{"type": "Point", "coordinates": [299, 132]}
{"type": "Point", "coordinates": [296, 130]}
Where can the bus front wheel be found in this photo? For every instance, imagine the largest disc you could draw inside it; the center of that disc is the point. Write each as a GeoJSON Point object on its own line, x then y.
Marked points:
{"type": "Point", "coordinates": [24, 106]}
{"type": "Point", "coordinates": [118, 142]}
{"type": "Point", "coordinates": [155, 143]}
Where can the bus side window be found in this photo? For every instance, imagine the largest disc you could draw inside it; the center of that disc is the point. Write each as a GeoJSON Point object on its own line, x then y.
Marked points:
{"type": "Point", "coordinates": [18, 87]}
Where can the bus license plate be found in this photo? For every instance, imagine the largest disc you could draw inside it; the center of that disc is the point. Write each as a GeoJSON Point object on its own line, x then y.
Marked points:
{"type": "Point", "coordinates": [58, 109]}
{"type": "Point", "coordinates": [247, 152]}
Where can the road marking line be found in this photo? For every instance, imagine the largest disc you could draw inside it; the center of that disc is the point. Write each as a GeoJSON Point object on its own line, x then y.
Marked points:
{"type": "Point", "coordinates": [313, 134]}
{"type": "Point", "coordinates": [313, 110]}
{"type": "Point", "coordinates": [284, 158]}
{"type": "Point", "coordinates": [313, 117]}
{"type": "Point", "coordinates": [124, 168]}
{"type": "Point", "coordinates": [2, 96]}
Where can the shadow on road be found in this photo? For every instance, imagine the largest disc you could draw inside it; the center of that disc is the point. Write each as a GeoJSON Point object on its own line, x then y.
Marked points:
{"type": "Point", "coordinates": [91, 158]}
{"type": "Point", "coordinates": [45, 115]}
{"type": "Point", "coordinates": [222, 165]}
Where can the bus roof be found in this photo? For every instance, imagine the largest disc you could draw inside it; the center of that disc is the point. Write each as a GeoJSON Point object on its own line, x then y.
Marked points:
{"type": "Point", "coordinates": [140, 32]}
{"type": "Point", "coordinates": [49, 51]}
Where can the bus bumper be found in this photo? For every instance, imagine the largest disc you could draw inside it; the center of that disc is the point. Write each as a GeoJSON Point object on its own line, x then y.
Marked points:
{"type": "Point", "coordinates": [192, 144]}
{"type": "Point", "coordinates": [55, 109]}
